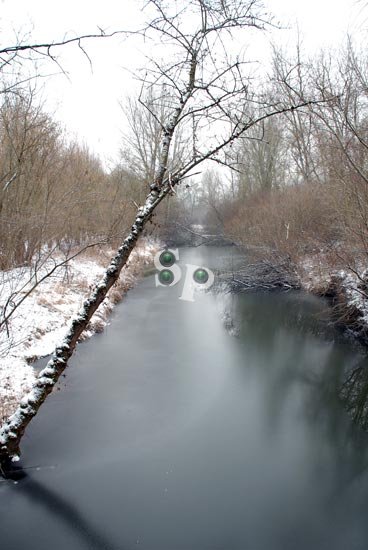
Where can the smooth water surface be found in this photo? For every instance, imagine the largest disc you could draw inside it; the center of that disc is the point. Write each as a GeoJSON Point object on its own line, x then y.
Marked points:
{"type": "Point", "coordinates": [209, 425]}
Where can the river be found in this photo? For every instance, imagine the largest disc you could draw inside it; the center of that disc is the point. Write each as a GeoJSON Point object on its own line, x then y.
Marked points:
{"type": "Point", "coordinates": [206, 425]}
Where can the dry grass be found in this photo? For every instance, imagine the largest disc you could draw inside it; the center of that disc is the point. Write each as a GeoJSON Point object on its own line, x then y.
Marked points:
{"type": "Point", "coordinates": [8, 402]}
{"type": "Point", "coordinates": [43, 301]}
{"type": "Point", "coordinates": [97, 325]}
{"type": "Point", "coordinates": [115, 296]}
{"type": "Point", "coordinates": [100, 254]}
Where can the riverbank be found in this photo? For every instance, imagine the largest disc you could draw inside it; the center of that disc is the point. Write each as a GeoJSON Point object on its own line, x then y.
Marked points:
{"type": "Point", "coordinates": [41, 321]}
{"type": "Point", "coordinates": [347, 289]}
{"type": "Point", "coordinates": [318, 274]}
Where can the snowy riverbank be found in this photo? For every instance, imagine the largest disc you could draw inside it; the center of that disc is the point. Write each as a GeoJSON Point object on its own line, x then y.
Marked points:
{"type": "Point", "coordinates": [41, 321]}
{"type": "Point", "coordinates": [347, 289]}
{"type": "Point", "coordinates": [321, 274]}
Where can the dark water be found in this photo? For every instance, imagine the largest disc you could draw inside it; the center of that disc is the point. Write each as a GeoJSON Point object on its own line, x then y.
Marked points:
{"type": "Point", "coordinates": [209, 425]}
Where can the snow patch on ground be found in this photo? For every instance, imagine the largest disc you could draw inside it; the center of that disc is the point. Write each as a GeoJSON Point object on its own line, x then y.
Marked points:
{"type": "Point", "coordinates": [315, 273]}
{"type": "Point", "coordinates": [356, 287]}
{"type": "Point", "coordinates": [317, 276]}
{"type": "Point", "coordinates": [42, 320]}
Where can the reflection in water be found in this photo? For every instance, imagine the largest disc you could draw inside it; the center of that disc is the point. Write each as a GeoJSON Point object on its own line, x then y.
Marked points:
{"type": "Point", "coordinates": [354, 393]}
{"type": "Point", "coordinates": [65, 511]}
{"type": "Point", "coordinates": [305, 355]}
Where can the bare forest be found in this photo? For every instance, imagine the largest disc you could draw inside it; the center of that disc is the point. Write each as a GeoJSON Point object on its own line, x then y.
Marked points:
{"type": "Point", "coordinates": [300, 183]}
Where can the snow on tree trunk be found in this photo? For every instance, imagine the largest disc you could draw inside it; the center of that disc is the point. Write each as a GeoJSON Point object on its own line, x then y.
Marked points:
{"type": "Point", "coordinates": [13, 430]}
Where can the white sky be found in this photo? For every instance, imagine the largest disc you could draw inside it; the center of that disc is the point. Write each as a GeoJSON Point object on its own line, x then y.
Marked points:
{"type": "Point", "coordinates": [87, 103]}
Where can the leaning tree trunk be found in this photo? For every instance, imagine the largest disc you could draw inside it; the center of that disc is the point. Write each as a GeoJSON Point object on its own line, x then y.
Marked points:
{"type": "Point", "coordinates": [13, 430]}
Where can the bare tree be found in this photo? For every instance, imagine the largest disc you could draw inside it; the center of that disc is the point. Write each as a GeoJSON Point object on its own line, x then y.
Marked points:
{"type": "Point", "coordinates": [341, 129]}
{"type": "Point", "coordinates": [15, 57]}
{"type": "Point", "coordinates": [294, 80]}
{"type": "Point", "coordinates": [142, 137]}
{"type": "Point", "coordinates": [204, 82]}
{"type": "Point", "coordinates": [261, 158]}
